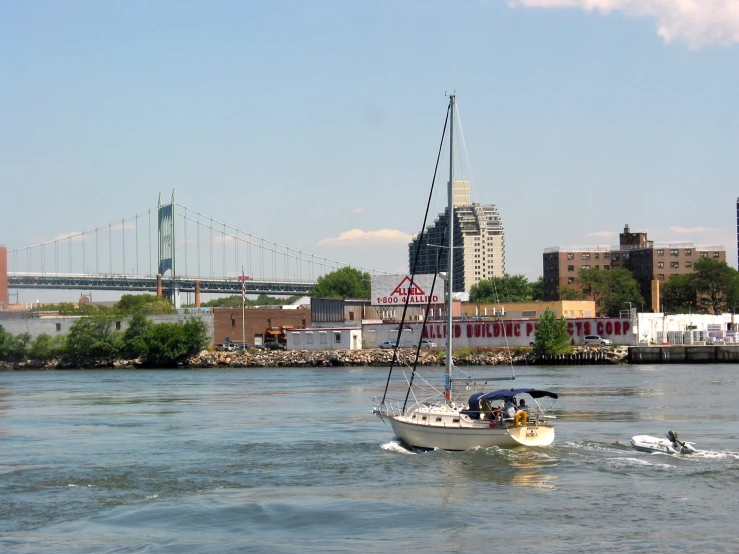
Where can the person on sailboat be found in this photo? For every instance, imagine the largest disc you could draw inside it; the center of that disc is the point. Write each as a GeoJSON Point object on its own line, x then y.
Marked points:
{"type": "Point", "coordinates": [510, 408]}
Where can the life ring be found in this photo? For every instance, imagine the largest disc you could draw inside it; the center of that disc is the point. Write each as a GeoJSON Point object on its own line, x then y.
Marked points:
{"type": "Point", "coordinates": [521, 418]}
{"type": "Point", "coordinates": [492, 424]}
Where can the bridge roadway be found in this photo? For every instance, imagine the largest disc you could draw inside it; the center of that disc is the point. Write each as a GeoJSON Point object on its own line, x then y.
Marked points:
{"type": "Point", "coordinates": [149, 283]}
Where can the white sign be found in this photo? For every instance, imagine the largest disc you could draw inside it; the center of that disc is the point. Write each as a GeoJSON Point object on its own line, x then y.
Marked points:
{"type": "Point", "coordinates": [394, 289]}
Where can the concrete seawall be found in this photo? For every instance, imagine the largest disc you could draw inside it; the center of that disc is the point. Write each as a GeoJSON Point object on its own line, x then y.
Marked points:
{"type": "Point", "coordinates": [683, 354]}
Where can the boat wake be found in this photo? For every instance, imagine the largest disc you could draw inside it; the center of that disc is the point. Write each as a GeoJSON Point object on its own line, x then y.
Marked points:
{"type": "Point", "coordinates": [396, 446]}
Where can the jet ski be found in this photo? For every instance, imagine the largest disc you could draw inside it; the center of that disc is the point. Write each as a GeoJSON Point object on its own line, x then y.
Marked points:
{"type": "Point", "coordinates": [670, 445]}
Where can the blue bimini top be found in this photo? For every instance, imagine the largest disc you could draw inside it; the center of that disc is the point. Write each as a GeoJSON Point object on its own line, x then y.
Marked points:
{"type": "Point", "coordinates": [503, 394]}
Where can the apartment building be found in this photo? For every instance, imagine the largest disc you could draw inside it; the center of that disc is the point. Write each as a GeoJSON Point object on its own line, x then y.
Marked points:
{"type": "Point", "coordinates": [479, 242]}
{"type": "Point", "coordinates": [649, 263]}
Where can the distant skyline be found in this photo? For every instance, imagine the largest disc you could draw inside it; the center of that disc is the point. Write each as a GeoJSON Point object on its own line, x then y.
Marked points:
{"type": "Point", "coordinates": [316, 125]}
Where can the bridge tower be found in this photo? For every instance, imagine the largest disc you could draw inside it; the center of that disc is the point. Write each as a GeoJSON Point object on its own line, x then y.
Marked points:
{"type": "Point", "coordinates": [168, 247]}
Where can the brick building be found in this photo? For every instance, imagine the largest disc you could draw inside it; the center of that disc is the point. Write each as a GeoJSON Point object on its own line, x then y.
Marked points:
{"type": "Point", "coordinates": [649, 263]}
{"type": "Point", "coordinates": [262, 324]}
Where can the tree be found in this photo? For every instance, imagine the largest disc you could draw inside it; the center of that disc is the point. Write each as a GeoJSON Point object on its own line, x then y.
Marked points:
{"type": "Point", "coordinates": [509, 288]}
{"type": "Point", "coordinates": [568, 293]}
{"type": "Point", "coordinates": [537, 289]}
{"type": "Point", "coordinates": [621, 289]}
{"type": "Point", "coordinates": [136, 337]}
{"type": "Point", "coordinates": [611, 290]}
{"type": "Point", "coordinates": [346, 282]}
{"type": "Point", "coordinates": [13, 347]}
{"type": "Point", "coordinates": [46, 347]}
{"type": "Point", "coordinates": [551, 335]}
{"type": "Point", "coordinates": [131, 304]}
{"type": "Point", "coordinates": [593, 282]}
{"type": "Point", "coordinates": [170, 343]}
{"type": "Point", "coordinates": [93, 337]}
{"type": "Point", "coordinates": [715, 283]}
{"type": "Point", "coordinates": [679, 294]}
{"type": "Point", "coordinates": [261, 300]}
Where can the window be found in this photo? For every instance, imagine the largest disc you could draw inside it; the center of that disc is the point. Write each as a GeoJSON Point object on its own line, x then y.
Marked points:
{"type": "Point", "coordinates": [597, 256]}
{"type": "Point", "coordinates": [660, 252]}
{"type": "Point", "coordinates": [688, 252]}
{"type": "Point", "coordinates": [704, 254]}
{"type": "Point", "coordinates": [337, 337]}
{"type": "Point", "coordinates": [58, 327]}
{"type": "Point", "coordinates": [570, 268]}
{"type": "Point", "coordinates": [660, 264]}
{"type": "Point", "coordinates": [570, 256]}
{"type": "Point", "coordinates": [688, 264]}
{"type": "Point", "coordinates": [586, 267]}
{"type": "Point", "coordinates": [309, 337]}
{"type": "Point", "coordinates": [607, 267]}
{"type": "Point", "coordinates": [606, 256]}
{"type": "Point", "coordinates": [233, 323]}
{"type": "Point", "coordinates": [674, 252]}
{"type": "Point", "coordinates": [322, 337]}
{"type": "Point", "coordinates": [586, 256]}
{"type": "Point", "coordinates": [570, 280]}
{"type": "Point", "coordinates": [715, 254]}
{"type": "Point", "coordinates": [674, 264]}
{"type": "Point", "coordinates": [296, 339]}
{"type": "Point", "coordinates": [597, 267]}
{"type": "Point", "coordinates": [117, 325]}
{"type": "Point", "coordinates": [615, 256]}
{"type": "Point", "coordinates": [661, 277]}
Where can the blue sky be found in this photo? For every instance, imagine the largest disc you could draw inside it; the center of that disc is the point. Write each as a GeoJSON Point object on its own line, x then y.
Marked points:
{"type": "Point", "coordinates": [316, 124]}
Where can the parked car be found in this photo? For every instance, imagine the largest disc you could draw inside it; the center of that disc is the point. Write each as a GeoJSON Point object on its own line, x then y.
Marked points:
{"type": "Point", "coordinates": [275, 346]}
{"type": "Point", "coordinates": [387, 344]}
{"type": "Point", "coordinates": [428, 344]}
{"type": "Point", "coordinates": [597, 339]}
{"type": "Point", "coordinates": [258, 346]}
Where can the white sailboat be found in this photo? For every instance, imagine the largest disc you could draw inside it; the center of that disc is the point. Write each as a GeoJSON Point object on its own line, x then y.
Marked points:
{"type": "Point", "coordinates": [464, 416]}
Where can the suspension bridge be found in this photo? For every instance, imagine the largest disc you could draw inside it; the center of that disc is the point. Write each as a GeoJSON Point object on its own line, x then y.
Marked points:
{"type": "Point", "coordinates": [169, 249]}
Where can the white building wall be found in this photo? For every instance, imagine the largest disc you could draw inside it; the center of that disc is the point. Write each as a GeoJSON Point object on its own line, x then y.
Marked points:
{"type": "Point", "coordinates": [325, 338]}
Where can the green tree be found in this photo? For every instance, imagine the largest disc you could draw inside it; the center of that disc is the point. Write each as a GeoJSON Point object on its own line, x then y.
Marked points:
{"type": "Point", "coordinates": [137, 336]}
{"type": "Point", "coordinates": [537, 289]}
{"type": "Point", "coordinates": [261, 300]}
{"type": "Point", "coordinates": [621, 289]}
{"type": "Point", "coordinates": [569, 293]}
{"type": "Point", "coordinates": [551, 335]}
{"type": "Point", "coordinates": [611, 290]}
{"type": "Point", "coordinates": [509, 288]}
{"type": "Point", "coordinates": [13, 347]}
{"type": "Point", "coordinates": [131, 304]}
{"type": "Point", "coordinates": [715, 284]}
{"type": "Point", "coordinates": [345, 282]}
{"type": "Point", "coordinates": [593, 282]}
{"type": "Point", "coordinates": [93, 337]}
{"type": "Point", "coordinates": [46, 347]}
{"type": "Point", "coordinates": [679, 294]}
{"type": "Point", "coordinates": [170, 343]}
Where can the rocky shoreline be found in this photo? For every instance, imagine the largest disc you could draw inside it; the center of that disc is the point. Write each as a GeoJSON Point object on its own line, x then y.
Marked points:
{"type": "Point", "coordinates": [342, 358]}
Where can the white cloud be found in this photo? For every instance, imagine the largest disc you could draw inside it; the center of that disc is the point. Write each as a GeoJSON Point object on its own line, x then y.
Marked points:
{"type": "Point", "coordinates": [358, 211]}
{"type": "Point", "coordinates": [602, 234]}
{"type": "Point", "coordinates": [693, 230]}
{"type": "Point", "coordinates": [74, 236]}
{"type": "Point", "coordinates": [696, 22]}
{"type": "Point", "coordinates": [357, 237]}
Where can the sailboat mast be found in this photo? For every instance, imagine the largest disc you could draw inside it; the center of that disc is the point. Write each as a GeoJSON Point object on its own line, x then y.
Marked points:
{"type": "Point", "coordinates": [450, 252]}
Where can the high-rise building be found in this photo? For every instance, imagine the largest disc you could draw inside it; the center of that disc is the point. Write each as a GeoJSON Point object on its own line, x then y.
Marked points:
{"type": "Point", "coordinates": [479, 242]}
{"type": "Point", "coordinates": [649, 263]}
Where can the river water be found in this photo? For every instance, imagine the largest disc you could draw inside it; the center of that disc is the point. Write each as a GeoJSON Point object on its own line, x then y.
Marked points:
{"type": "Point", "coordinates": [292, 460]}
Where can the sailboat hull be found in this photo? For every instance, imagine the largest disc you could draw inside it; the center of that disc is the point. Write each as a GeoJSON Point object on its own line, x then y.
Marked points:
{"type": "Point", "coordinates": [464, 438]}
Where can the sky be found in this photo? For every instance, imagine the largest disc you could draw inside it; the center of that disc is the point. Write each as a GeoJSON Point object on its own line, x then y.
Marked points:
{"type": "Point", "coordinates": [317, 124]}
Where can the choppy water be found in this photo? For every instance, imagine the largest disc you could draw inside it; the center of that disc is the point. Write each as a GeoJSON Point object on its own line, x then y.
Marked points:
{"type": "Point", "coordinates": [291, 460]}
